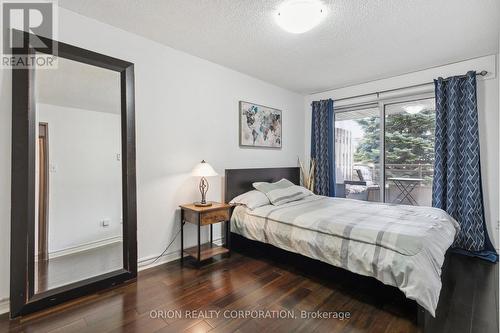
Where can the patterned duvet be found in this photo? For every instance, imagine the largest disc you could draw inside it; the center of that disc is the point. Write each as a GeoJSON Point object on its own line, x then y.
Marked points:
{"type": "Point", "coordinates": [402, 246]}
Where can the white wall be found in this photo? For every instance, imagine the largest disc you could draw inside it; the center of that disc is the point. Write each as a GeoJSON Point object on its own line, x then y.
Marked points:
{"type": "Point", "coordinates": [5, 161]}
{"type": "Point", "coordinates": [498, 183]}
{"type": "Point", "coordinates": [186, 110]}
{"type": "Point", "coordinates": [84, 175]}
{"type": "Point", "coordinates": [488, 109]}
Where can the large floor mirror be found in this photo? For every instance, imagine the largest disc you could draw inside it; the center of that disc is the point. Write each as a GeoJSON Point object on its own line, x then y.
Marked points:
{"type": "Point", "coordinates": [73, 178]}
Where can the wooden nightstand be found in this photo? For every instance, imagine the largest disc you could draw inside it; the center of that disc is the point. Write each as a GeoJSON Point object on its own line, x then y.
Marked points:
{"type": "Point", "coordinates": [202, 216]}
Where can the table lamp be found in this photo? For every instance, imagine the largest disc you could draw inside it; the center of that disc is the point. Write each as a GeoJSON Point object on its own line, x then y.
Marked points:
{"type": "Point", "coordinates": [203, 169]}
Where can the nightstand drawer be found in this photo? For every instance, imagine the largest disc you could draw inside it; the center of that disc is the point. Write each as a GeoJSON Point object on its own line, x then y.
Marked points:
{"type": "Point", "coordinates": [214, 217]}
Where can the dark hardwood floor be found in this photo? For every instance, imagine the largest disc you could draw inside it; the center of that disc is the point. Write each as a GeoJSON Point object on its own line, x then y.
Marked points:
{"type": "Point", "coordinates": [469, 298]}
{"type": "Point", "coordinates": [64, 270]}
{"type": "Point", "coordinates": [249, 282]}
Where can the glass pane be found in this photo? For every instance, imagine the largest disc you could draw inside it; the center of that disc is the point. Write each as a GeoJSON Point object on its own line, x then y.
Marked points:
{"type": "Point", "coordinates": [357, 154]}
{"type": "Point", "coordinates": [78, 228]}
{"type": "Point", "coordinates": [409, 152]}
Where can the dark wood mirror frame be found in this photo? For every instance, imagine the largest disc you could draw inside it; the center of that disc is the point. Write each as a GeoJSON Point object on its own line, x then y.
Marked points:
{"type": "Point", "coordinates": [23, 300]}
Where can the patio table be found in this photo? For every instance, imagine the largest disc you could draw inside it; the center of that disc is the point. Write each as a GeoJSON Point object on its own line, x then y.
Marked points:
{"type": "Point", "coordinates": [406, 187]}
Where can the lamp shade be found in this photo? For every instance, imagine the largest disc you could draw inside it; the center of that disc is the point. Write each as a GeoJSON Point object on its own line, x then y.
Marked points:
{"type": "Point", "coordinates": [203, 169]}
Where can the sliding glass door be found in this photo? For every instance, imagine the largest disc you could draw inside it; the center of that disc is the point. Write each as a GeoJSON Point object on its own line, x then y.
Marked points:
{"type": "Point", "coordinates": [409, 151]}
{"type": "Point", "coordinates": [390, 160]}
{"type": "Point", "coordinates": [357, 153]}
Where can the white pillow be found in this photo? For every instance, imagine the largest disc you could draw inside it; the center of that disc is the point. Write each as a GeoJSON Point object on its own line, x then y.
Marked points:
{"type": "Point", "coordinates": [252, 199]}
{"type": "Point", "coordinates": [282, 191]}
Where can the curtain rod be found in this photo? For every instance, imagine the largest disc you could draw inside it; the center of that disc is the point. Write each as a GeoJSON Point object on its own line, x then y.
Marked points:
{"type": "Point", "coordinates": [482, 73]}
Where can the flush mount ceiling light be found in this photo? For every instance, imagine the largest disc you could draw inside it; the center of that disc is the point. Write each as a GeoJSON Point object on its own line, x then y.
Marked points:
{"type": "Point", "coordinates": [414, 109]}
{"type": "Point", "coordinates": [298, 16]}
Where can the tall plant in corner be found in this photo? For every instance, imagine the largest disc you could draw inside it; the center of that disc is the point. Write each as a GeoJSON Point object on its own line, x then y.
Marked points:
{"type": "Point", "coordinates": [307, 176]}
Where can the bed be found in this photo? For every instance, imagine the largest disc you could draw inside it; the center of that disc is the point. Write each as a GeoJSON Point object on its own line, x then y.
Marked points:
{"type": "Point", "coordinates": [401, 246]}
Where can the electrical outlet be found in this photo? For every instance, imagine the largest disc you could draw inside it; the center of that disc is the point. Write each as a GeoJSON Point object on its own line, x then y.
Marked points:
{"type": "Point", "coordinates": [105, 223]}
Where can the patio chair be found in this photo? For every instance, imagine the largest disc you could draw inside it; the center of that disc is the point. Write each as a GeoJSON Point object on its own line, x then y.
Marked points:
{"type": "Point", "coordinates": [364, 188]}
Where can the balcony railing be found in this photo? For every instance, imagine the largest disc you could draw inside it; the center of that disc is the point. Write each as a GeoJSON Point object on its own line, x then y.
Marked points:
{"type": "Point", "coordinates": [420, 171]}
{"type": "Point", "coordinates": [421, 192]}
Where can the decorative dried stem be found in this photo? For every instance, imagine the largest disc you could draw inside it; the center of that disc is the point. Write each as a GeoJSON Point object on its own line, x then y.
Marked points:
{"type": "Point", "coordinates": [308, 176]}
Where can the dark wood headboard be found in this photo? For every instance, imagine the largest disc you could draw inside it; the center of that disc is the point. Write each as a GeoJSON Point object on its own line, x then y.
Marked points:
{"type": "Point", "coordinates": [239, 181]}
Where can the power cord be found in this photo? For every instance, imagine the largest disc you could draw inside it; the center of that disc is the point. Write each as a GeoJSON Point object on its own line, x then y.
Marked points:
{"type": "Point", "coordinates": [161, 255]}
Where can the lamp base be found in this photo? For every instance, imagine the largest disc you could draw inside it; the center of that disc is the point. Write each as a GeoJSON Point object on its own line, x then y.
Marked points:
{"type": "Point", "coordinates": [199, 204]}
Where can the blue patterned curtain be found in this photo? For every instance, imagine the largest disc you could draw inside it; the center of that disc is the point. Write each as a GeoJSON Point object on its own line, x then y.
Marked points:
{"type": "Point", "coordinates": [457, 171]}
{"type": "Point", "coordinates": [322, 147]}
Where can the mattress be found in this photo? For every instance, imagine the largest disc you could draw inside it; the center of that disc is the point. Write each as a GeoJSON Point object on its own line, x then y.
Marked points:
{"type": "Point", "coordinates": [402, 246]}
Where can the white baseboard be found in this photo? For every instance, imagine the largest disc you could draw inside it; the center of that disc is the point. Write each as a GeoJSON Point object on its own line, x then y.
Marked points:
{"type": "Point", "coordinates": [147, 262]}
{"type": "Point", "coordinates": [218, 242]}
{"type": "Point", "coordinates": [85, 247]}
{"type": "Point", "coordinates": [4, 306]}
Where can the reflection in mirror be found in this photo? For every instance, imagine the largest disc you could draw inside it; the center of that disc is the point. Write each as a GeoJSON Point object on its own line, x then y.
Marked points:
{"type": "Point", "coordinates": [78, 227]}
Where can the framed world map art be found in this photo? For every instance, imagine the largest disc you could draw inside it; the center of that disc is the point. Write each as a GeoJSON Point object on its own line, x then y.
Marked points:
{"type": "Point", "coordinates": [260, 126]}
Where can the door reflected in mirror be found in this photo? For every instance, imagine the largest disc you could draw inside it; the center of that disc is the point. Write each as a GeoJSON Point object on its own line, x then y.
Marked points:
{"type": "Point", "coordinates": [78, 228]}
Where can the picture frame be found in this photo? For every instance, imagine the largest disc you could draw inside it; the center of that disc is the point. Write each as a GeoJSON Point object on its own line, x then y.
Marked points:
{"type": "Point", "coordinates": [260, 126]}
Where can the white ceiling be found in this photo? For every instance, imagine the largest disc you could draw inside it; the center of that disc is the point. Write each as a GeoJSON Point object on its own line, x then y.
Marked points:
{"type": "Point", "coordinates": [359, 41]}
{"type": "Point", "coordinates": [77, 85]}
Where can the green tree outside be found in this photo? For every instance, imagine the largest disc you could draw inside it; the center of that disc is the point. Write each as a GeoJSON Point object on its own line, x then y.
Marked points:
{"type": "Point", "coordinates": [409, 139]}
